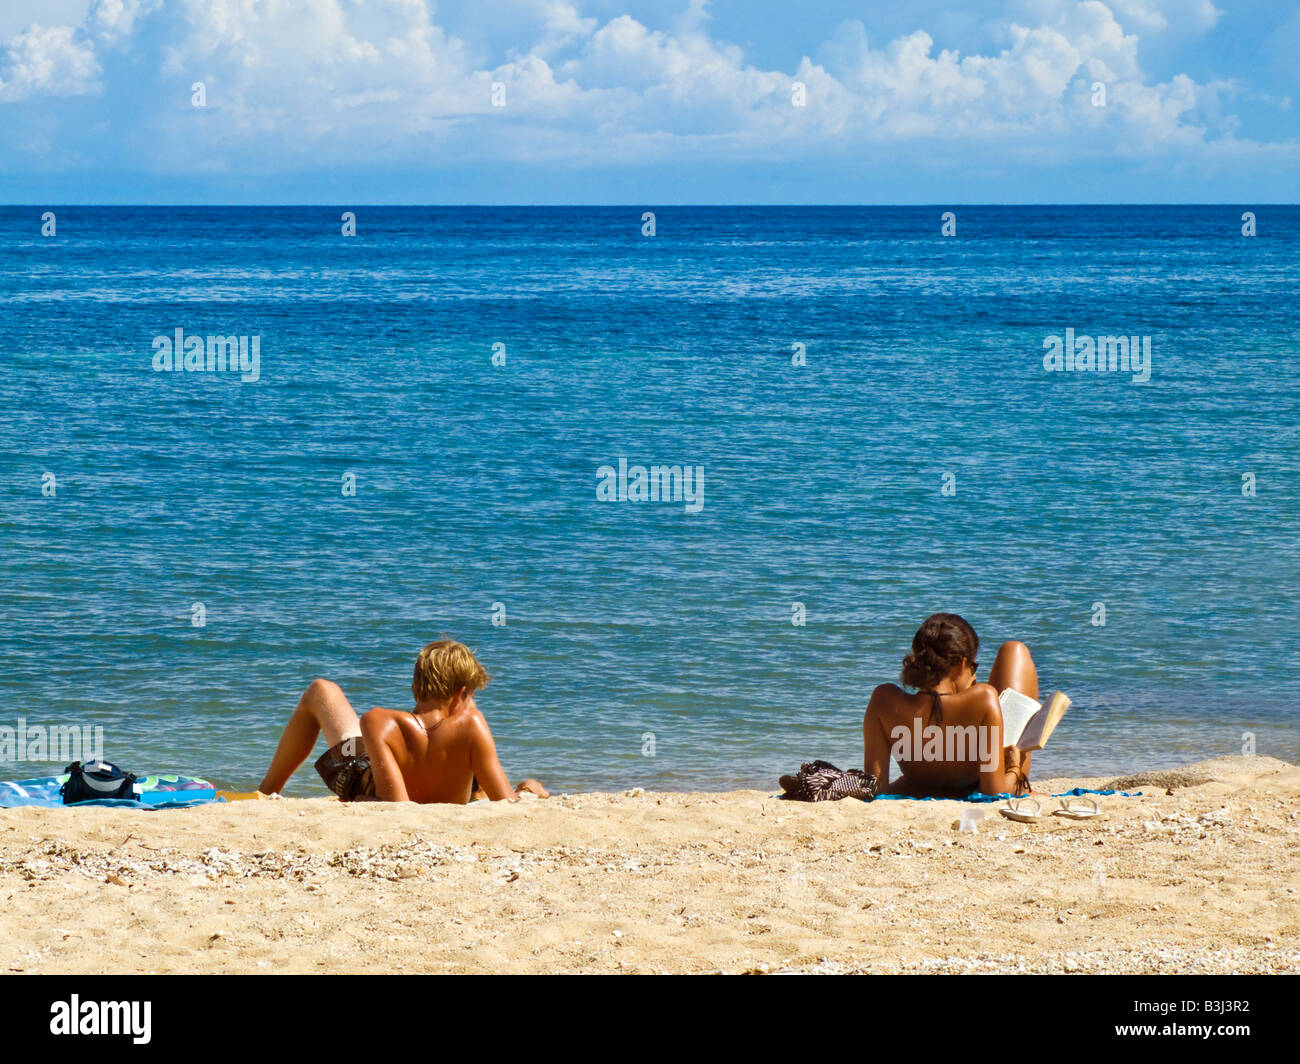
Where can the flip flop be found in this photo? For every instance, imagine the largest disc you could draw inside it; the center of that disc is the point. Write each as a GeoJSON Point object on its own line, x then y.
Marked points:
{"type": "Point", "coordinates": [1073, 812]}
{"type": "Point", "coordinates": [1015, 809]}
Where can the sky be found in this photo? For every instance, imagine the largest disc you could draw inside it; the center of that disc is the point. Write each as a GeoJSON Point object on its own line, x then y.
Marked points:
{"type": "Point", "coordinates": [652, 102]}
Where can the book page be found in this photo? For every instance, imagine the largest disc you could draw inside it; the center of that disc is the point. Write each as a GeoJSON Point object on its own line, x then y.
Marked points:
{"type": "Point", "coordinates": [1017, 709]}
{"type": "Point", "coordinates": [1032, 737]}
{"type": "Point", "coordinates": [1040, 727]}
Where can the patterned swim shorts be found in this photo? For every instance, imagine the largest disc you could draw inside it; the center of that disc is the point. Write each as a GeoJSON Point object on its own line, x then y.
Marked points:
{"type": "Point", "coordinates": [345, 768]}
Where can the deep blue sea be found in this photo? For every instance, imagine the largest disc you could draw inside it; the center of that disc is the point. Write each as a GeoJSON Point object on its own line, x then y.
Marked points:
{"type": "Point", "coordinates": [920, 458]}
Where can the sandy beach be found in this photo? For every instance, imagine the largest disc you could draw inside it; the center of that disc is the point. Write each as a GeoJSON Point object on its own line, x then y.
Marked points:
{"type": "Point", "coordinates": [1199, 874]}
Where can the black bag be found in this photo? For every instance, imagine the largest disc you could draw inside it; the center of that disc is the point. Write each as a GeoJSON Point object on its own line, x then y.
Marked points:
{"type": "Point", "coordinates": [820, 781]}
{"type": "Point", "coordinates": [96, 779]}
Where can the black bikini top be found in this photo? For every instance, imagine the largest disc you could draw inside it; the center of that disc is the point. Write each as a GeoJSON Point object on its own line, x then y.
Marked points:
{"type": "Point", "coordinates": [936, 709]}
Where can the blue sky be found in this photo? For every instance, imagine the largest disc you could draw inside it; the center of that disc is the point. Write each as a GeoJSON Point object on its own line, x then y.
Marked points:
{"type": "Point", "coordinates": [642, 101]}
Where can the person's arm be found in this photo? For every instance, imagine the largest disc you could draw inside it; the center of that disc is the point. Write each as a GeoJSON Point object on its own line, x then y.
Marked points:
{"type": "Point", "coordinates": [993, 777]}
{"type": "Point", "coordinates": [377, 730]}
{"type": "Point", "coordinates": [484, 763]}
{"type": "Point", "coordinates": [1003, 775]}
{"type": "Point", "coordinates": [1016, 781]}
{"type": "Point", "coordinates": [875, 742]}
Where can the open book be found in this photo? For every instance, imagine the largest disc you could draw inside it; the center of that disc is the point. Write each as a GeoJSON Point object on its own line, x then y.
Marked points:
{"type": "Point", "coordinates": [1027, 724]}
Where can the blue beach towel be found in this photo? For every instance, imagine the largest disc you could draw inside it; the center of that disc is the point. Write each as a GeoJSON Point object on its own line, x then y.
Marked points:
{"type": "Point", "coordinates": [978, 797]}
{"type": "Point", "coordinates": [155, 792]}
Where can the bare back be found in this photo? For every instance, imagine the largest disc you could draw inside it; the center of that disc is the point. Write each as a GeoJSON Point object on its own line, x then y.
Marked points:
{"type": "Point", "coordinates": [435, 761]}
{"type": "Point", "coordinates": [893, 713]}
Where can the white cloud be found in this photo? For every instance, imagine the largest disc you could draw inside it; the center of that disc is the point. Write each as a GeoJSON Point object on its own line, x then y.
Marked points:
{"type": "Point", "coordinates": [110, 19]}
{"type": "Point", "coordinates": [47, 61]}
{"type": "Point", "coordinates": [1041, 82]}
{"type": "Point", "coordinates": [316, 82]}
{"type": "Point", "coordinates": [562, 27]}
{"type": "Point", "coordinates": [1194, 16]}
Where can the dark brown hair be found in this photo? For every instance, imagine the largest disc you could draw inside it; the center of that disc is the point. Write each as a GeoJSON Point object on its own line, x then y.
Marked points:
{"type": "Point", "coordinates": [944, 640]}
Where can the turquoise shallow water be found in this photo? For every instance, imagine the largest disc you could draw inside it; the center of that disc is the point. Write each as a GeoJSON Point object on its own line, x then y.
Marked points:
{"type": "Point", "coordinates": [476, 484]}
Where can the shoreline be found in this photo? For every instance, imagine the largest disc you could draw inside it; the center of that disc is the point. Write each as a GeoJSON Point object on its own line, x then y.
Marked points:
{"type": "Point", "coordinates": [305, 785]}
{"type": "Point", "coordinates": [1200, 873]}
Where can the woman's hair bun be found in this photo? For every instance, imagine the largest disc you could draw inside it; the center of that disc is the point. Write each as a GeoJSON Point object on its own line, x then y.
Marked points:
{"type": "Point", "coordinates": [944, 640]}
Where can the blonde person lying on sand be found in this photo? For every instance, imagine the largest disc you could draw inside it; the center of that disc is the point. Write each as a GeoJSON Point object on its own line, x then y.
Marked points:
{"type": "Point", "coordinates": [942, 668]}
{"type": "Point", "coordinates": [436, 752]}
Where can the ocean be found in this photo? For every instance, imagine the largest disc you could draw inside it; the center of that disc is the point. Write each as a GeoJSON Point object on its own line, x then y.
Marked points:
{"type": "Point", "coordinates": [424, 442]}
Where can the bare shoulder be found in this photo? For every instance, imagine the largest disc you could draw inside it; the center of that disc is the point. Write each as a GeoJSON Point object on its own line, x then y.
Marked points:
{"type": "Point", "coordinates": [470, 722]}
{"type": "Point", "coordinates": [379, 721]}
{"type": "Point", "coordinates": [886, 695]}
{"type": "Point", "coordinates": [981, 697]}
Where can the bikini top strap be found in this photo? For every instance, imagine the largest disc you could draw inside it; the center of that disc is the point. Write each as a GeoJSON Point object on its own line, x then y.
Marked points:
{"type": "Point", "coordinates": [936, 709]}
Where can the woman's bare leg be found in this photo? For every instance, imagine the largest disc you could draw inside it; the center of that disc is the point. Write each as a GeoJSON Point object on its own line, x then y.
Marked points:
{"type": "Point", "coordinates": [322, 708]}
{"type": "Point", "coordinates": [1014, 668]}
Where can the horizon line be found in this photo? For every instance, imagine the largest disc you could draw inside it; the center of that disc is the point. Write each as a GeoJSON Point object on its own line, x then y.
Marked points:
{"type": "Point", "coordinates": [643, 204]}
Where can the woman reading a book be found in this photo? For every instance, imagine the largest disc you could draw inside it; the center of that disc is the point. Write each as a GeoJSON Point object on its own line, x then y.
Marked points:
{"type": "Point", "coordinates": [948, 737]}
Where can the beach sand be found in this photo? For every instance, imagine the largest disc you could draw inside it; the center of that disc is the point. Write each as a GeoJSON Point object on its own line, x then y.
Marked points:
{"type": "Point", "coordinates": [1203, 879]}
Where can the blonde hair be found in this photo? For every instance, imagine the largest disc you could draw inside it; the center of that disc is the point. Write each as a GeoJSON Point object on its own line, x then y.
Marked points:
{"type": "Point", "coordinates": [443, 667]}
